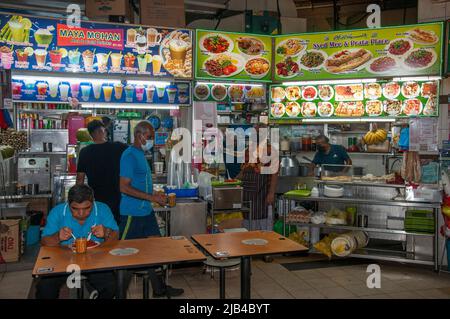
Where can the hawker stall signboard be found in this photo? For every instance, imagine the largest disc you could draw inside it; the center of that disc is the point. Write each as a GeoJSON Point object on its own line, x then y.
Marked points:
{"type": "Point", "coordinates": [28, 43]}
{"type": "Point", "coordinates": [233, 56]}
{"type": "Point", "coordinates": [374, 99]}
{"type": "Point", "coordinates": [383, 52]}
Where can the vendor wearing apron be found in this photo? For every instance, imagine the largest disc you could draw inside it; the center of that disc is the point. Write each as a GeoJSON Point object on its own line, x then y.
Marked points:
{"type": "Point", "coordinates": [137, 217]}
{"type": "Point", "coordinates": [78, 217]}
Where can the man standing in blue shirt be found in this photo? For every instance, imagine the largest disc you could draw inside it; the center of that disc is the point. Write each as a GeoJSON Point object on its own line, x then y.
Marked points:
{"type": "Point", "coordinates": [137, 218]}
{"type": "Point", "coordinates": [79, 217]}
{"type": "Point", "coordinates": [330, 154]}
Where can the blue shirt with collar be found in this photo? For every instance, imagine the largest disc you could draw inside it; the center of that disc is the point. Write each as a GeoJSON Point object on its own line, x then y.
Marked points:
{"type": "Point", "coordinates": [61, 216]}
{"type": "Point", "coordinates": [336, 156]}
{"type": "Point", "coordinates": [134, 166]}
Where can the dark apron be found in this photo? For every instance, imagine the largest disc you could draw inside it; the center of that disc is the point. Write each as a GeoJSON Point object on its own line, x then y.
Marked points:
{"type": "Point", "coordinates": [256, 188]}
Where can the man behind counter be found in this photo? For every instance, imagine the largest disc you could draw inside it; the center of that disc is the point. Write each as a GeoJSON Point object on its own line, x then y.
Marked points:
{"type": "Point", "coordinates": [100, 162]}
{"type": "Point", "coordinates": [330, 154]}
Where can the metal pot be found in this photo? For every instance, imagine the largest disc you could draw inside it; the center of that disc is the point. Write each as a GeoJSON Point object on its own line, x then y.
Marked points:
{"type": "Point", "coordinates": [304, 170]}
{"type": "Point", "coordinates": [289, 166]}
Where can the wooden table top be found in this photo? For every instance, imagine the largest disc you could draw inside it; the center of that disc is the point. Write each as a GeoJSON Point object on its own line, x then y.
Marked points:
{"type": "Point", "coordinates": [152, 251]}
{"type": "Point", "coordinates": [231, 243]}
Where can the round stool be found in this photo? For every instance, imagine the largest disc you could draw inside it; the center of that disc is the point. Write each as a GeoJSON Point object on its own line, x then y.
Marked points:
{"type": "Point", "coordinates": [222, 265]}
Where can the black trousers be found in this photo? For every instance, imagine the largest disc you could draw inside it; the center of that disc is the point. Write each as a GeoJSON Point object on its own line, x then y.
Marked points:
{"type": "Point", "coordinates": [103, 282]}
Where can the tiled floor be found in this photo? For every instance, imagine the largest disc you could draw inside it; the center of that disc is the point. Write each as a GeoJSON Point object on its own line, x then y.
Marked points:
{"type": "Point", "coordinates": [272, 280]}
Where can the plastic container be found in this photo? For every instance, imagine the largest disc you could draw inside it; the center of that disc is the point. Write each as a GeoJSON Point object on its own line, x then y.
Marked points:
{"type": "Point", "coordinates": [183, 192]}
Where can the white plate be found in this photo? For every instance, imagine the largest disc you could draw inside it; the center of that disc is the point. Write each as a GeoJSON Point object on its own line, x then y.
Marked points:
{"type": "Point", "coordinates": [358, 68]}
{"type": "Point", "coordinates": [277, 99]}
{"type": "Point", "coordinates": [411, 47]}
{"type": "Point", "coordinates": [240, 65]}
{"type": "Point", "coordinates": [391, 97]}
{"type": "Point", "coordinates": [277, 115]}
{"type": "Point", "coordinates": [304, 104]}
{"type": "Point", "coordinates": [381, 72]}
{"type": "Point", "coordinates": [392, 113]}
{"type": "Point", "coordinates": [436, 38]}
{"type": "Point", "coordinates": [216, 98]}
{"type": "Point", "coordinates": [249, 56]}
{"type": "Point", "coordinates": [433, 60]}
{"type": "Point", "coordinates": [297, 108]}
{"type": "Point", "coordinates": [303, 92]}
{"type": "Point", "coordinates": [325, 57]}
{"type": "Point", "coordinates": [421, 89]}
{"type": "Point", "coordinates": [203, 49]}
{"type": "Point", "coordinates": [325, 115]}
{"type": "Point", "coordinates": [124, 251]}
{"type": "Point", "coordinates": [291, 55]}
{"type": "Point", "coordinates": [326, 98]}
{"type": "Point", "coordinates": [235, 99]}
{"type": "Point", "coordinates": [299, 91]}
{"type": "Point", "coordinates": [372, 114]}
{"type": "Point", "coordinates": [411, 96]}
{"type": "Point", "coordinates": [404, 105]}
{"type": "Point", "coordinates": [202, 98]}
{"type": "Point", "coordinates": [257, 76]}
{"type": "Point", "coordinates": [289, 76]}
{"type": "Point", "coordinates": [369, 96]}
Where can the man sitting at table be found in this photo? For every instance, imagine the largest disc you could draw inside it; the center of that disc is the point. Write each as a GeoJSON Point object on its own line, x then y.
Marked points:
{"type": "Point", "coordinates": [78, 218]}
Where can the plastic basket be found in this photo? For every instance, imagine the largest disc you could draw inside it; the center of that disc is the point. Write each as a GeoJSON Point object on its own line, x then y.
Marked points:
{"type": "Point", "coordinates": [183, 192]}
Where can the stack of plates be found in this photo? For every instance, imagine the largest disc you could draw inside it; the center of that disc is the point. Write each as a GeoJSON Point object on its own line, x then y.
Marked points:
{"type": "Point", "coordinates": [333, 191]}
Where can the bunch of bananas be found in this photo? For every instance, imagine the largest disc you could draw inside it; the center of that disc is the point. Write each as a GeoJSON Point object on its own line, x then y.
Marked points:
{"type": "Point", "coordinates": [375, 136]}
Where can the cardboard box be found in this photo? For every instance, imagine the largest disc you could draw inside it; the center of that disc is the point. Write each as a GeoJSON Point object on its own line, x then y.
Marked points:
{"type": "Point", "coordinates": [104, 8]}
{"type": "Point", "coordinates": [231, 223]}
{"type": "Point", "coordinates": [10, 239]}
{"type": "Point", "coordinates": [162, 13]}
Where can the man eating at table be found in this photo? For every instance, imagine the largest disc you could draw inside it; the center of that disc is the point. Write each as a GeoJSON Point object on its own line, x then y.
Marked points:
{"type": "Point", "coordinates": [80, 217]}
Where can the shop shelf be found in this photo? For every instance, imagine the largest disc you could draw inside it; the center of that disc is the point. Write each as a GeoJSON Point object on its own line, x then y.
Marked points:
{"type": "Point", "coordinates": [368, 184]}
{"type": "Point", "coordinates": [370, 230]}
{"type": "Point", "coordinates": [52, 111]}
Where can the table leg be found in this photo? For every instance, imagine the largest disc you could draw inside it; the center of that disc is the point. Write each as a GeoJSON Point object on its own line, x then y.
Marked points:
{"type": "Point", "coordinates": [121, 289]}
{"type": "Point", "coordinates": [245, 277]}
{"type": "Point", "coordinates": [145, 290]}
{"type": "Point", "coordinates": [222, 282]}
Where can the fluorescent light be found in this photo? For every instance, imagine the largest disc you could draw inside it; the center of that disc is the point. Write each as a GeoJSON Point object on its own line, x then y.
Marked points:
{"type": "Point", "coordinates": [349, 81]}
{"type": "Point", "coordinates": [62, 79]}
{"type": "Point", "coordinates": [418, 78]}
{"type": "Point", "coordinates": [346, 120]}
{"type": "Point", "coordinates": [231, 83]}
{"type": "Point", "coordinates": [130, 106]}
{"type": "Point", "coordinates": [155, 83]}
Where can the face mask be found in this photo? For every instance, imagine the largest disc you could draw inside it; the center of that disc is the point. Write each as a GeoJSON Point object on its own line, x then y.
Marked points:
{"type": "Point", "coordinates": [147, 146]}
{"type": "Point", "coordinates": [321, 148]}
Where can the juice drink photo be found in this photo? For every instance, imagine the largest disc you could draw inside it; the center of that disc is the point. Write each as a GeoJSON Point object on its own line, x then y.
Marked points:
{"type": "Point", "coordinates": [22, 55]}
{"type": "Point", "coordinates": [107, 92]}
{"type": "Point", "coordinates": [178, 50]}
{"type": "Point", "coordinates": [172, 93]}
{"type": "Point", "coordinates": [118, 90]}
{"type": "Point", "coordinates": [129, 60]}
{"type": "Point", "coordinates": [116, 61]}
{"type": "Point", "coordinates": [64, 91]}
{"type": "Point", "coordinates": [88, 60]}
{"type": "Point", "coordinates": [142, 62]}
{"type": "Point", "coordinates": [153, 37]}
{"type": "Point", "coordinates": [141, 44]}
{"type": "Point", "coordinates": [53, 86]}
{"type": "Point", "coordinates": [85, 92]}
{"type": "Point", "coordinates": [131, 36]}
{"type": "Point", "coordinates": [102, 61]}
{"type": "Point", "coordinates": [17, 30]}
{"type": "Point", "coordinates": [74, 89]}
{"type": "Point", "coordinates": [129, 91]}
{"type": "Point", "coordinates": [55, 58]}
{"type": "Point", "coordinates": [41, 56]}
{"type": "Point", "coordinates": [150, 92]}
{"type": "Point", "coordinates": [139, 92]}
{"type": "Point", "coordinates": [6, 55]}
{"type": "Point", "coordinates": [43, 37]}
{"type": "Point", "coordinates": [74, 57]}
{"type": "Point", "coordinates": [97, 88]}
{"type": "Point", "coordinates": [157, 62]}
{"type": "Point", "coordinates": [160, 91]}
{"type": "Point", "coordinates": [42, 88]}
{"type": "Point", "coordinates": [16, 88]}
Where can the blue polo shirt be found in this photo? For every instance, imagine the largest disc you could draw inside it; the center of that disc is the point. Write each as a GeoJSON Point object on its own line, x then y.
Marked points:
{"type": "Point", "coordinates": [134, 165]}
{"type": "Point", "coordinates": [61, 216]}
{"type": "Point", "coordinates": [336, 156]}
